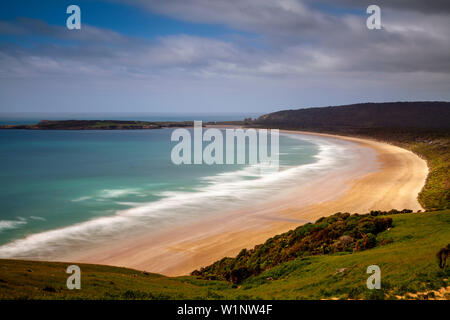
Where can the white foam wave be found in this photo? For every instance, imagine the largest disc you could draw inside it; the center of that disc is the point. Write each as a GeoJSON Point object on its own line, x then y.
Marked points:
{"type": "Point", "coordinates": [81, 199]}
{"type": "Point", "coordinates": [11, 224]}
{"type": "Point", "coordinates": [38, 218]}
{"type": "Point", "coordinates": [225, 190]}
{"type": "Point", "coordinates": [116, 193]}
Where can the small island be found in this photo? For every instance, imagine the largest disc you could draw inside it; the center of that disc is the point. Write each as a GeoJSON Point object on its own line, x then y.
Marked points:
{"type": "Point", "coordinates": [110, 125]}
{"type": "Point", "coordinates": [98, 125]}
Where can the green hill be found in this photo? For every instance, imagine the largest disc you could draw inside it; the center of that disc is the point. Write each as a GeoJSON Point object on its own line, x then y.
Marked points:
{"type": "Point", "coordinates": [339, 233]}
{"type": "Point", "coordinates": [351, 118]}
{"type": "Point", "coordinates": [408, 265]}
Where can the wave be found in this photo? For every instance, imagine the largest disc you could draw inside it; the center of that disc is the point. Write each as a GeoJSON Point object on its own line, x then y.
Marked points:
{"type": "Point", "coordinates": [110, 194]}
{"type": "Point", "coordinates": [11, 224]}
{"type": "Point", "coordinates": [38, 218]}
{"type": "Point", "coordinates": [117, 193]}
{"type": "Point", "coordinates": [226, 190]}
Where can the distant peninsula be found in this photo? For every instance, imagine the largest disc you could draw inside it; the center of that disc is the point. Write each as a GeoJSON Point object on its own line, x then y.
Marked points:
{"type": "Point", "coordinates": [97, 125]}
{"type": "Point", "coordinates": [110, 125]}
{"type": "Point", "coordinates": [356, 119]}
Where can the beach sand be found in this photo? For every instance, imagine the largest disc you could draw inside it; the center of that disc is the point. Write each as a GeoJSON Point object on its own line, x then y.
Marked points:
{"type": "Point", "coordinates": [393, 184]}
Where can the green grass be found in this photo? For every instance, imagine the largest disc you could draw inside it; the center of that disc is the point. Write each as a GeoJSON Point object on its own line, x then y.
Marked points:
{"type": "Point", "coordinates": [340, 232]}
{"type": "Point", "coordinates": [436, 193]}
{"type": "Point", "coordinates": [47, 280]}
{"type": "Point", "coordinates": [408, 264]}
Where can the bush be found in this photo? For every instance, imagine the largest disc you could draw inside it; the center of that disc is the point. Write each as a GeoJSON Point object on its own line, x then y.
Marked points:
{"type": "Point", "coordinates": [340, 232]}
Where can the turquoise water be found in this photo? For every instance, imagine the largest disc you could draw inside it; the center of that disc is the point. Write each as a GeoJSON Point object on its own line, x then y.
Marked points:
{"type": "Point", "coordinates": [58, 187]}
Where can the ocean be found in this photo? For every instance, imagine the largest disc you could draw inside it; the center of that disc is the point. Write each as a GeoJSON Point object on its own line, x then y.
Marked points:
{"type": "Point", "coordinates": [69, 190]}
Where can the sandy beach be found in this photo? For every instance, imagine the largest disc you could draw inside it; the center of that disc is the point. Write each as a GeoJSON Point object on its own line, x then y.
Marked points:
{"type": "Point", "coordinates": [394, 182]}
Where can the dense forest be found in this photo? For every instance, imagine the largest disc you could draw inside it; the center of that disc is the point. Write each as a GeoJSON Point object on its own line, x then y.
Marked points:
{"type": "Point", "coordinates": [369, 116]}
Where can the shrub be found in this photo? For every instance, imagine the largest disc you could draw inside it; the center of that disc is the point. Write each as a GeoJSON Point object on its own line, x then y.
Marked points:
{"type": "Point", "coordinates": [340, 232]}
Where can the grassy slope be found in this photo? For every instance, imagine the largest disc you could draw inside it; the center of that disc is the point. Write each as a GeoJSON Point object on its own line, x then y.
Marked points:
{"type": "Point", "coordinates": [436, 192]}
{"type": "Point", "coordinates": [408, 264]}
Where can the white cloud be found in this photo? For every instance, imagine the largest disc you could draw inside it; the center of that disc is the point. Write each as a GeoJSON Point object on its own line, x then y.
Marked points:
{"type": "Point", "coordinates": [301, 51]}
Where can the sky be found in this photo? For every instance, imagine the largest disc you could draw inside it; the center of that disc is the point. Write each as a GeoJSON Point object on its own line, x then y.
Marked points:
{"type": "Point", "coordinates": [220, 56]}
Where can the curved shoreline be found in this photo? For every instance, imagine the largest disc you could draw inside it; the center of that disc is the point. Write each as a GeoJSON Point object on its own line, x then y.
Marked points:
{"type": "Point", "coordinates": [395, 185]}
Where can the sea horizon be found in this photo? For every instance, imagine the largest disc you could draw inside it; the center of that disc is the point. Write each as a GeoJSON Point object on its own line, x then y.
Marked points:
{"type": "Point", "coordinates": [15, 118]}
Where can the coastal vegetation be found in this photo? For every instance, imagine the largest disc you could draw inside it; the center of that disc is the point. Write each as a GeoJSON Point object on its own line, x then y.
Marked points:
{"type": "Point", "coordinates": [435, 194]}
{"type": "Point", "coordinates": [98, 125]}
{"type": "Point", "coordinates": [362, 117]}
{"type": "Point", "coordinates": [405, 252]}
{"type": "Point", "coordinates": [340, 232]}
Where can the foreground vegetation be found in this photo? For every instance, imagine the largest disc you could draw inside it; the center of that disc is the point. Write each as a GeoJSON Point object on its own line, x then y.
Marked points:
{"type": "Point", "coordinates": [436, 193]}
{"type": "Point", "coordinates": [408, 264]}
{"type": "Point", "coordinates": [340, 232]}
